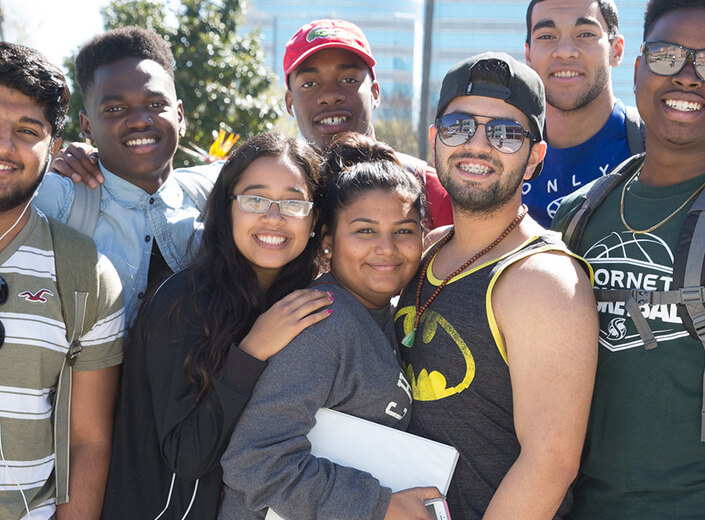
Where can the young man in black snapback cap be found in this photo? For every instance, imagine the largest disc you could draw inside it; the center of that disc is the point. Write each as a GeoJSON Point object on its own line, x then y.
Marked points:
{"type": "Point", "coordinates": [498, 329]}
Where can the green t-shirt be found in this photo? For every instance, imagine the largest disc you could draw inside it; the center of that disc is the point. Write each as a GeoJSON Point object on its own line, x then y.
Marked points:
{"type": "Point", "coordinates": [643, 456]}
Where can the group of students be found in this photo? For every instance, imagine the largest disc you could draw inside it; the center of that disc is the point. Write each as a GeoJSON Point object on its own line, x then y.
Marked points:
{"type": "Point", "coordinates": [258, 290]}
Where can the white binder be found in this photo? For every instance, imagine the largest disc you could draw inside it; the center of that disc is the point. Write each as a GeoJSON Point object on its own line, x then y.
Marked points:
{"type": "Point", "coordinates": [399, 460]}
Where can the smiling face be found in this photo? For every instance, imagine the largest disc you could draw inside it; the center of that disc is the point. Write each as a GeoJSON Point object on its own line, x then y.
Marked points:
{"type": "Point", "coordinates": [332, 91]}
{"type": "Point", "coordinates": [673, 107]}
{"type": "Point", "coordinates": [569, 48]}
{"type": "Point", "coordinates": [375, 248]}
{"type": "Point", "coordinates": [25, 147]}
{"type": "Point", "coordinates": [477, 177]}
{"type": "Point", "coordinates": [133, 117]}
{"type": "Point", "coordinates": [270, 240]}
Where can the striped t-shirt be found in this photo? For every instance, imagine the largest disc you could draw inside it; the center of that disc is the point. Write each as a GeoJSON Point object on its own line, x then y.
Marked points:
{"type": "Point", "coordinates": [31, 357]}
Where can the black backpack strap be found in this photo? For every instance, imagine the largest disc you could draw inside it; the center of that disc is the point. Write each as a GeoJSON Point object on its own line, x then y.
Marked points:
{"type": "Point", "coordinates": [636, 130]}
{"type": "Point", "coordinates": [594, 196]}
{"type": "Point", "coordinates": [688, 277]}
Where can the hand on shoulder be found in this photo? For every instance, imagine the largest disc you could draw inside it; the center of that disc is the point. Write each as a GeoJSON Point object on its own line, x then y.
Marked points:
{"type": "Point", "coordinates": [79, 162]}
{"type": "Point", "coordinates": [278, 326]}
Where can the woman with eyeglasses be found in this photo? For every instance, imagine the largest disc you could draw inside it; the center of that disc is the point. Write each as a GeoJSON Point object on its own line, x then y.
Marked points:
{"type": "Point", "coordinates": [372, 239]}
{"type": "Point", "coordinates": [201, 342]}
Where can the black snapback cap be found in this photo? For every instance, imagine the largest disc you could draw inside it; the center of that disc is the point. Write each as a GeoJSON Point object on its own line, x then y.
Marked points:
{"type": "Point", "coordinates": [524, 91]}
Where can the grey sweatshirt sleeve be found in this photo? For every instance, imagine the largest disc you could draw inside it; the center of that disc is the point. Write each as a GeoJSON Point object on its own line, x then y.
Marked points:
{"type": "Point", "coordinates": [268, 462]}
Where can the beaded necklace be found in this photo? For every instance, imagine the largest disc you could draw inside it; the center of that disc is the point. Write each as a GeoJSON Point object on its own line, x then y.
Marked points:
{"type": "Point", "coordinates": [408, 340]}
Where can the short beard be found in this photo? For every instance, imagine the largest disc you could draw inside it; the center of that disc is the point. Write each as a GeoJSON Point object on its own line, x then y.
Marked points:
{"type": "Point", "coordinates": [18, 196]}
{"type": "Point", "coordinates": [586, 97]}
{"type": "Point", "coordinates": [497, 195]}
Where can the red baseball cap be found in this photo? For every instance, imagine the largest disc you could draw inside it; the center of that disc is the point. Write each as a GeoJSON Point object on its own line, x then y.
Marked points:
{"type": "Point", "coordinates": [326, 34]}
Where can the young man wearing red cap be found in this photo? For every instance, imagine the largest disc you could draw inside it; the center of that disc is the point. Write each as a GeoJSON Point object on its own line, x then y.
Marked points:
{"type": "Point", "coordinates": [331, 88]}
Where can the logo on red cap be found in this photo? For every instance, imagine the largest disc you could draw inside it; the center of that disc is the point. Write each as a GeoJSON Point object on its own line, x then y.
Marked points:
{"type": "Point", "coordinates": [322, 32]}
{"type": "Point", "coordinates": [326, 34]}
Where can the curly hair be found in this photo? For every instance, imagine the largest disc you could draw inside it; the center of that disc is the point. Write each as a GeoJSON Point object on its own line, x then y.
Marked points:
{"type": "Point", "coordinates": [607, 7]}
{"type": "Point", "coordinates": [125, 42]}
{"type": "Point", "coordinates": [355, 164]}
{"type": "Point", "coordinates": [27, 71]}
{"type": "Point", "coordinates": [655, 9]}
{"type": "Point", "coordinates": [224, 275]}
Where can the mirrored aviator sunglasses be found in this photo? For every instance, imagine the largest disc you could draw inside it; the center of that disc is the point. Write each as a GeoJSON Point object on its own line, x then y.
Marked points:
{"type": "Point", "coordinates": [668, 59]}
{"type": "Point", "coordinates": [504, 135]}
{"type": "Point", "coordinates": [4, 293]}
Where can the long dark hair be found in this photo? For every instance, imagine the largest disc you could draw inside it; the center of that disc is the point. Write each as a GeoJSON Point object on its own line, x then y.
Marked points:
{"type": "Point", "coordinates": [225, 278]}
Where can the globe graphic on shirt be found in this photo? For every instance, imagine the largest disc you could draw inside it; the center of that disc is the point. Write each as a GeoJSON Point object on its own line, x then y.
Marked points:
{"type": "Point", "coordinates": [631, 248]}
{"type": "Point", "coordinates": [629, 260]}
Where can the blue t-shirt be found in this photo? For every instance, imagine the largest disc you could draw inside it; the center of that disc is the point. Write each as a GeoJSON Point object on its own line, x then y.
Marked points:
{"type": "Point", "coordinates": [567, 169]}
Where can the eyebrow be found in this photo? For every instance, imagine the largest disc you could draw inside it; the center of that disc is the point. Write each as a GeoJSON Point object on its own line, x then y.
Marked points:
{"type": "Point", "coordinates": [265, 186]}
{"type": "Point", "coordinates": [341, 67]}
{"type": "Point", "coordinates": [550, 24]}
{"type": "Point", "coordinates": [32, 121]}
{"type": "Point", "coordinates": [110, 98]}
{"type": "Point", "coordinates": [372, 221]}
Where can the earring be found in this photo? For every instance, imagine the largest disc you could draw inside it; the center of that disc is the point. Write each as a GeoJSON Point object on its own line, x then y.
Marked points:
{"type": "Point", "coordinates": [326, 251]}
{"type": "Point", "coordinates": [634, 88]}
{"type": "Point", "coordinates": [313, 234]}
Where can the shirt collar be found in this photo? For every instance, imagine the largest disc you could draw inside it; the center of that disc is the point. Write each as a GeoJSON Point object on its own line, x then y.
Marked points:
{"type": "Point", "coordinates": [129, 195]}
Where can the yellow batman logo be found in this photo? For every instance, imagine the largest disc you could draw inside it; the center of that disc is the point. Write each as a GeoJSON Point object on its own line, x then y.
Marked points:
{"type": "Point", "coordinates": [433, 386]}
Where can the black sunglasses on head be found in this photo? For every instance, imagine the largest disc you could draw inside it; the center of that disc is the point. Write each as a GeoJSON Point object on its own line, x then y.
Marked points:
{"type": "Point", "coordinates": [504, 135]}
{"type": "Point", "coordinates": [4, 292]}
{"type": "Point", "coordinates": [668, 59]}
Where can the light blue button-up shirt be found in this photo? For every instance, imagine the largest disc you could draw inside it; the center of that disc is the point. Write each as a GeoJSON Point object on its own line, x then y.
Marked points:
{"type": "Point", "coordinates": [130, 219]}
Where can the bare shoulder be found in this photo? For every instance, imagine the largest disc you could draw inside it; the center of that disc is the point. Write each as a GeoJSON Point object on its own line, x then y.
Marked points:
{"type": "Point", "coordinates": [551, 273]}
{"type": "Point", "coordinates": [545, 288]}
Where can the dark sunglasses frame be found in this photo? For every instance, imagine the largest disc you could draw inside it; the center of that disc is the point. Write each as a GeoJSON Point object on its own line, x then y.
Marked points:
{"type": "Point", "coordinates": [492, 123]}
{"type": "Point", "coordinates": [4, 293]}
{"type": "Point", "coordinates": [690, 54]}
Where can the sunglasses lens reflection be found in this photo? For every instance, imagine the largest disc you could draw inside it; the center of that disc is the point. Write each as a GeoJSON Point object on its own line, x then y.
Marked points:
{"type": "Point", "coordinates": [504, 135]}
{"type": "Point", "coordinates": [667, 59]}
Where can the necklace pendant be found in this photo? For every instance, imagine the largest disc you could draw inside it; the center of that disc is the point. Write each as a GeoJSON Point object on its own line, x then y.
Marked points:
{"type": "Point", "coordinates": [408, 340]}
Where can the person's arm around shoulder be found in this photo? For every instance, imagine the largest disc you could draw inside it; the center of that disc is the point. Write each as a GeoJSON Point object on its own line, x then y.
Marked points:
{"type": "Point", "coordinates": [546, 313]}
{"type": "Point", "coordinates": [93, 396]}
{"type": "Point", "coordinates": [55, 196]}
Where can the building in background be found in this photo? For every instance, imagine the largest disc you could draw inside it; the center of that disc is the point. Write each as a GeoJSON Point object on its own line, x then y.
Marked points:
{"type": "Point", "coordinates": [394, 28]}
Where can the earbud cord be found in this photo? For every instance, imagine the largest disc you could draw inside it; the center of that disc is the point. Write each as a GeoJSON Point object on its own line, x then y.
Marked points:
{"type": "Point", "coordinates": [9, 471]}
{"type": "Point", "coordinates": [16, 221]}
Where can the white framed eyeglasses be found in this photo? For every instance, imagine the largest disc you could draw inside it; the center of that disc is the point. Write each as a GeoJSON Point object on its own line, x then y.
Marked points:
{"type": "Point", "coordinates": [257, 204]}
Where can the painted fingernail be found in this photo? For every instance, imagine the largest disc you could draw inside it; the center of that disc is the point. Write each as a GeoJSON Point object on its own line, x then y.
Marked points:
{"type": "Point", "coordinates": [328, 311]}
